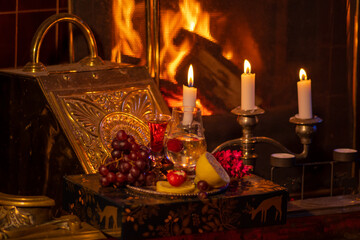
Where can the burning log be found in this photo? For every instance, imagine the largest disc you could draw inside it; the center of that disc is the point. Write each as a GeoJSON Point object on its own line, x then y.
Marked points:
{"type": "Point", "coordinates": [196, 40]}
{"type": "Point", "coordinates": [216, 77]}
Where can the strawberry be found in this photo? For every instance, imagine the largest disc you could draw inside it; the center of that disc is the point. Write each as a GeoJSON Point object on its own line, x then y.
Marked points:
{"type": "Point", "coordinates": [174, 145]}
{"type": "Point", "coordinates": [176, 178]}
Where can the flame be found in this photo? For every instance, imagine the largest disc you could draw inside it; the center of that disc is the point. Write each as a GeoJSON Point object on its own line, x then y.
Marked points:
{"type": "Point", "coordinates": [247, 66]}
{"type": "Point", "coordinates": [191, 76]}
{"type": "Point", "coordinates": [228, 54]}
{"type": "Point", "coordinates": [192, 18]}
{"type": "Point", "coordinates": [126, 39]}
{"type": "Point", "coordinates": [302, 74]}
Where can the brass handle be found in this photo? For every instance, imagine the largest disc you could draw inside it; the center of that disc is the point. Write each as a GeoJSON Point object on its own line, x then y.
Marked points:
{"type": "Point", "coordinates": [35, 66]}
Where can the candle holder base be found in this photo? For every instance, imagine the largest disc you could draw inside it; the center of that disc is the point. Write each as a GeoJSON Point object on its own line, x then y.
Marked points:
{"type": "Point", "coordinates": [248, 119]}
{"type": "Point", "coordinates": [305, 127]}
{"type": "Point", "coordinates": [282, 160]}
{"type": "Point", "coordinates": [344, 155]}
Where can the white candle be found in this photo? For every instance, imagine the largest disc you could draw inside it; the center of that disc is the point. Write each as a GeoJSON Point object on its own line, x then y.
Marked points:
{"type": "Point", "coordinates": [304, 96]}
{"type": "Point", "coordinates": [247, 88]}
{"type": "Point", "coordinates": [189, 97]}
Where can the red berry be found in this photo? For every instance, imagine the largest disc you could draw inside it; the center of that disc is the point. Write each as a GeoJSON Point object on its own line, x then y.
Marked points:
{"type": "Point", "coordinates": [174, 145]}
{"type": "Point", "coordinates": [176, 178]}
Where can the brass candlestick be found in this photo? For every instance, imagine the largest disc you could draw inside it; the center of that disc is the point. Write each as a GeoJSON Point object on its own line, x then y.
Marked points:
{"type": "Point", "coordinates": [248, 120]}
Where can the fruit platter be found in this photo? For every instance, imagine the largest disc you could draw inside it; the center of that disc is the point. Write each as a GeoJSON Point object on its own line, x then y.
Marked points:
{"type": "Point", "coordinates": [132, 166]}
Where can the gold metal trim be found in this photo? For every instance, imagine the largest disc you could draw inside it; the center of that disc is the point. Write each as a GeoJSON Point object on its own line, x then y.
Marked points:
{"type": "Point", "coordinates": [25, 201]}
{"type": "Point", "coordinates": [35, 66]}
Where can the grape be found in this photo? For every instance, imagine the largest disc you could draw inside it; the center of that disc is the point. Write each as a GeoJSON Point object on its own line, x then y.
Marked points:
{"type": "Point", "coordinates": [137, 183]}
{"type": "Point", "coordinates": [130, 178]}
{"type": "Point", "coordinates": [115, 144]}
{"type": "Point", "coordinates": [121, 135]}
{"type": "Point", "coordinates": [115, 154]}
{"type": "Point", "coordinates": [142, 147]}
{"type": "Point", "coordinates": [143, 155]}
{"type": "Point", "coordinates": [150, 179]}
{"type": "Point", "coordinates": [127, 158]}
{"type": "Point", "coordinates": [125, 167]}
{"type": "Point", "coordinates": [104, 182]}
{"type": "Point", "coordinates": [120, 178]}
{"type": "Point", "coordinates": [129, 163]}
{"type": "Point", "coordinates": [131, 139]}
{"type": "Point", "coordinates": [202, 185]}
{"type": "Point", "coordinates": [141, 178]}
{"type": "Point", "coordinates": [111, 177]}
{"type": "Point", "coordinates": [133, 155]}
{"type": "Point", "coordinates": [202, 195]}
{"type": "Point", "coordinates": [126, 147]}
{"type": "Point", "coordinates": [103, 170]}
{"type": "Point", "coordinates": [140, 164]}
{"type": "Point", "coordinates": [111, 165]}
{"type": "Point", "coordinates": [135, 146]}
{"type": "Point", "coordinates": [135, 171]}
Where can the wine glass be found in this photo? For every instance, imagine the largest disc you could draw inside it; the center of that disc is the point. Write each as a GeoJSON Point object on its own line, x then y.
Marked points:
{"type": "Point", "coordinates": [157, 123]}
{"type": "Point", "coordinates": [185, 141]}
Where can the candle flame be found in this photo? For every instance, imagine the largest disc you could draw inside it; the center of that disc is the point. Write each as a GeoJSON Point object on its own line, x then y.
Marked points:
{"type": "Point", "coordinates": [247, 66]}
{"type": "Point", "coordinates": [191, 76]}
{"type": "Point", "coordinates": [302, 74]}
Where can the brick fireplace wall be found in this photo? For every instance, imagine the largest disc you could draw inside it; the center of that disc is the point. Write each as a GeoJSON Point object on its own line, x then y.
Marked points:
{"type": "Point", "coordinates": [19, 20]}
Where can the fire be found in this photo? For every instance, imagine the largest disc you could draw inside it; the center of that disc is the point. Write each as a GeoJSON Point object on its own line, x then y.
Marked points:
{"type": "Point", "coordinates": [191, 76]}
{"type": "Point", "coordinates": [228, 54]}
{"type": "Point", "coordinates": [126, 39]}
{"type": "Point", "coordinates": [192, 18]}
{"type": "Point", "coordinates": [302, 74]}
{"type": "Point", "coordinates": [176, 99]}
{"type": "Point", "coordinates": [247, 66]}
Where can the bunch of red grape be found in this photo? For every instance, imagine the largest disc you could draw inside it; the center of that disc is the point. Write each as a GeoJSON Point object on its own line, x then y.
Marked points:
{"type": "Point", "coordinates": [129, 163]}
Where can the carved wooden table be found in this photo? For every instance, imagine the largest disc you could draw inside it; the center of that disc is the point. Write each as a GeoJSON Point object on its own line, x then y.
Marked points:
{"type": "Point", "coordinates": [124, 214]}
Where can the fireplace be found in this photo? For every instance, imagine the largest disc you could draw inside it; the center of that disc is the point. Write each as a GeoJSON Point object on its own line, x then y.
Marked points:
{"type": "Point", "coordinates": [277, 37]}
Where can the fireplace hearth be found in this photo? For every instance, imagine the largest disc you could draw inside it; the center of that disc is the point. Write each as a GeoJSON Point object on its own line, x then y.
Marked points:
{"type": "Point", "coordinates": [278, 37]}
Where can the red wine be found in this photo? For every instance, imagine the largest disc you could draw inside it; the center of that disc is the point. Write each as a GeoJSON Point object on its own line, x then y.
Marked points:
{"type": "Point", "coordinates": [157, 133]}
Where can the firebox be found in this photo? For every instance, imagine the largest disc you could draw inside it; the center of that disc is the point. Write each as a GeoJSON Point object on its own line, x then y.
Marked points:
{"type": "Point", "coordinates": [277, 37]}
